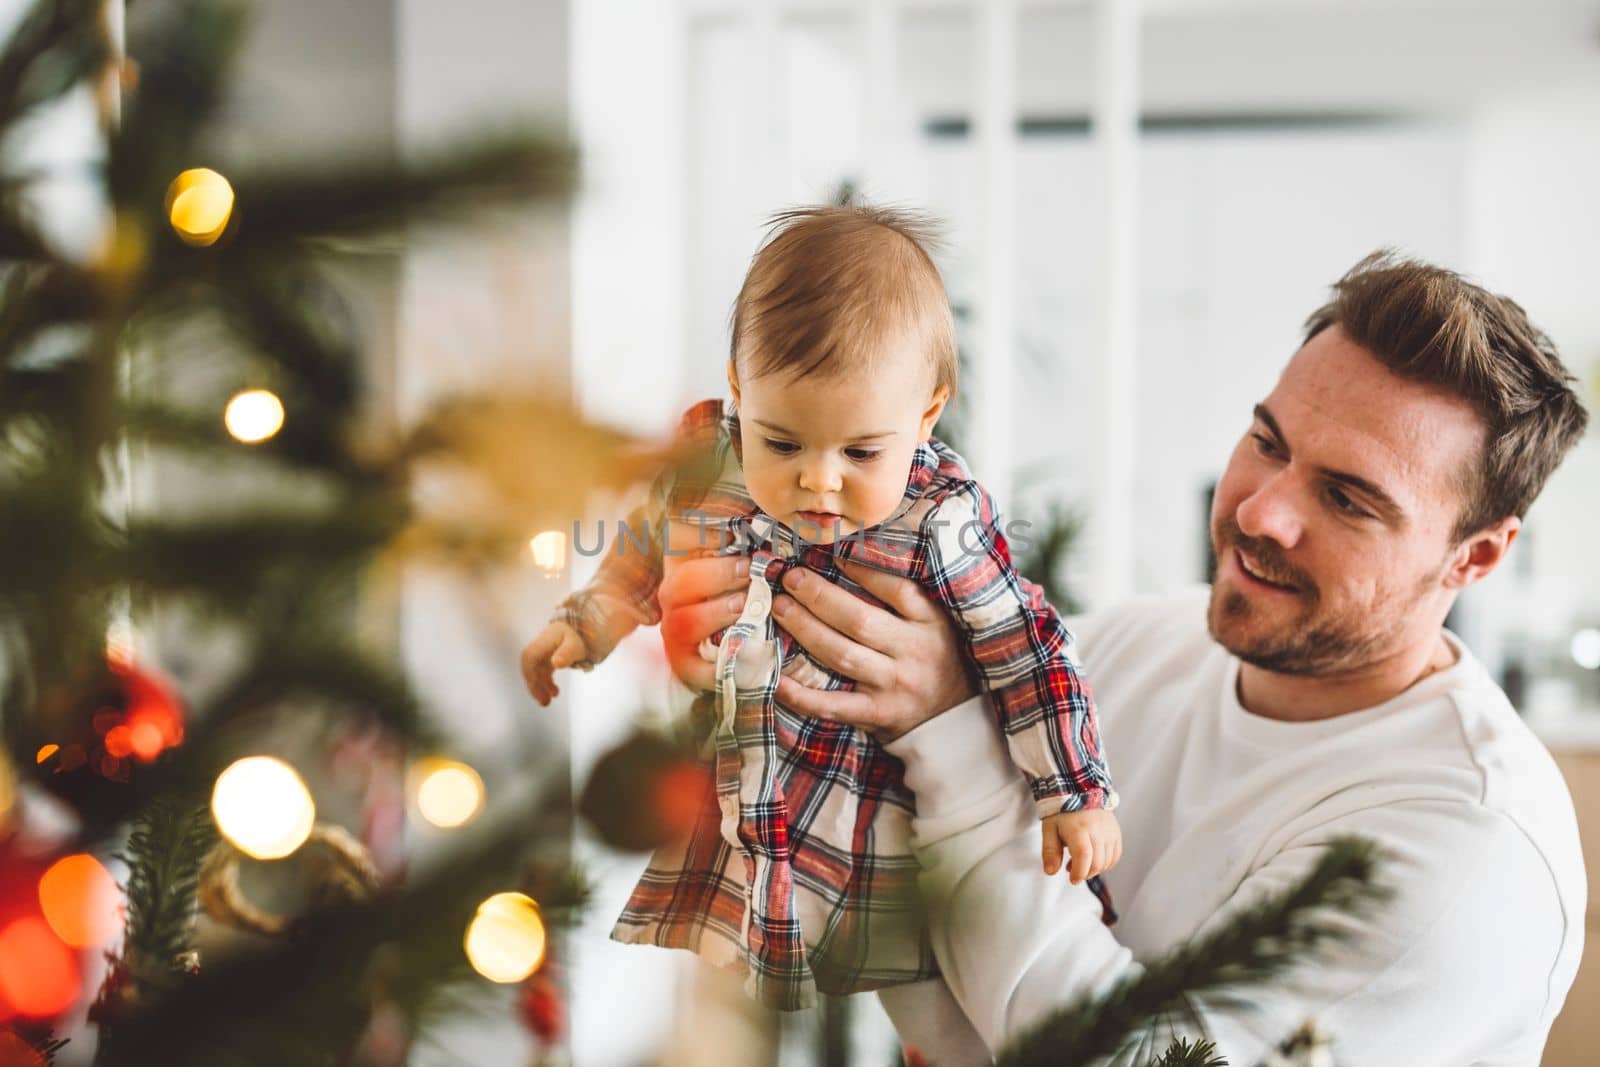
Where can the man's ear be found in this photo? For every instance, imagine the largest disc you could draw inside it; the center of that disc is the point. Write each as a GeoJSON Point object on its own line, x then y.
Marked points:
{"type": "Point", "coordinates": [941, 397]}
{"type": "Point", "coordinates": [1477, 557]}
{"type": "Point", "coordinates": [733, 381]}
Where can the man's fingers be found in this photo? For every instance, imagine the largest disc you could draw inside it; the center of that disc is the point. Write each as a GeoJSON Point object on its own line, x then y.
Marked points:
{"type": "Point", "coordinates": [688, 581]}
{"type": "Point", "coordinates": [686, 625]}
{"type": "Point", "coordinates": [835, 705]}
{"type": "Point", "coordinates": [902, 594]}
{"type": "Point", "coordinates": [831, 648]}
{"type": "Point", "coordinates": [695, 672]}
{"type": "Point", "coordinates": [866, 623]}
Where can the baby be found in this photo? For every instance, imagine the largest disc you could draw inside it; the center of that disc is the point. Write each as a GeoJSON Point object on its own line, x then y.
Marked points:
{"type": "Point", "coordinates": [800, 871]}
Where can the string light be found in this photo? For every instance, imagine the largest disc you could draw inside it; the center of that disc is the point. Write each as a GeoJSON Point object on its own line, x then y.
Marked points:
{"type": "Point", "coordinates": [449, 793]}
{"type": "Point", "coordinates": [253, 415]}
{"type": "Point", "coordinates": [262, 807]}
{"type": "Point", "coordinates": [549, 551]}
{"type": "Point", "coordinates": [506, 940]}
{"type": "Point", "coordinates": [199, 205]}
{"type": "Point", "coordinates": [79, 899]}
{"type": "Point", "coordinates": [38, 974]}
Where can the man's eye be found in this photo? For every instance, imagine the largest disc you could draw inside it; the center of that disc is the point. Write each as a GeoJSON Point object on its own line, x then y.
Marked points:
{"type": "Point", "coordinates": [1265, 445]}
{"type": "Point", "coordinates": [863, 455]}
{"type": "Point", "coordinates": [782, 448]}
{"type": "Point", "coordinates": [1342, 502]}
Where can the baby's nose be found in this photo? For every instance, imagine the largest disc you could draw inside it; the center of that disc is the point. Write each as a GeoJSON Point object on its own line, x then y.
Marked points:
{"type": "Point", "coordinates": [821, 478]}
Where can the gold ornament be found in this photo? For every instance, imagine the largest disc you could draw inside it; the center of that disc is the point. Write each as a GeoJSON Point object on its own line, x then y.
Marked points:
{"type": "Point", "coordinates": [341, 871]}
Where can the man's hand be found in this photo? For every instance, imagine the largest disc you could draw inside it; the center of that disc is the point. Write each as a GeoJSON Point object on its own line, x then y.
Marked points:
{"type": "Point", "coordinates": [908, 664]}
{"type": "Point", "coordinates": [699, 595]}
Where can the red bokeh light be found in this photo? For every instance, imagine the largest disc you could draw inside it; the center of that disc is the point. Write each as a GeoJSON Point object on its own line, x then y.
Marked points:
{"type": "Point", "coordinates": [38, 974]}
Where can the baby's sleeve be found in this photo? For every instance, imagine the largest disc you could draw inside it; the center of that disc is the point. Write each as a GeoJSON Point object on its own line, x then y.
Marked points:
{"type": "Point", "coordinates": [622, 594]}
{"type": "Point", "coordinates": [1023, 652]}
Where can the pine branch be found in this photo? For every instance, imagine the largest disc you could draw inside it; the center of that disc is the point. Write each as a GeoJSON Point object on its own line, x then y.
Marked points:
{"type": "Point", "coordinates": [236, 556]}
{"type": "Point", "coordinates": [321, 669]}
{"type": "Point", "coordinates": [53, 47]}
{"type": "Point", "coordinates": [164, 852]}
{"type": "Point", "coordinates": [403, 946]}
{"type": "Point", "coordinates": [1261, 943]}
{"type": "Point", "coordinates": [1183, 1054]}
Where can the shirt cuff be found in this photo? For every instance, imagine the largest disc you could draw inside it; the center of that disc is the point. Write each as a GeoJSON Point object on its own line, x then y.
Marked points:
{"type": "Point", "coordinates": [956, 760]}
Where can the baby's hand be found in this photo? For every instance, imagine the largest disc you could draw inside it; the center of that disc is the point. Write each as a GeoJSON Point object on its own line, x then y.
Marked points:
{"type": "Point", "coordinates": [557, 647]}
{"type": "Point", "coordinates": [1092, 839]}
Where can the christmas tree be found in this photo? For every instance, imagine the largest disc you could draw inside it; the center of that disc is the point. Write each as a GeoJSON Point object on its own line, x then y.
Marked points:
{"type": "Point", "coordinates": [199, 342]}
{"type": "Point", "coordinates": [201, 347]}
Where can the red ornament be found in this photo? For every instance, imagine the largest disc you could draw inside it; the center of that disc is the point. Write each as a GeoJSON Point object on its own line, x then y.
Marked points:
{"type": "Point", "coordinates": [913, 1056]}
{"type": "Point", "coordinates": [681, 792]}
{"type": "Point", "coordinates": [118, 717]}
{"type": "Point", "coordinates": [543, 1011]}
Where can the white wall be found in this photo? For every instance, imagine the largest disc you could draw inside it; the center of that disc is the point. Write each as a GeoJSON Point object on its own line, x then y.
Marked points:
{"type": "Point", "coordinates": [1533, 231]}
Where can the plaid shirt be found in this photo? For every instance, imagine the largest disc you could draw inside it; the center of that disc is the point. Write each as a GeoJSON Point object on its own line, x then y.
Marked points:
{"type": "Point", "coordinates": [799, 870]}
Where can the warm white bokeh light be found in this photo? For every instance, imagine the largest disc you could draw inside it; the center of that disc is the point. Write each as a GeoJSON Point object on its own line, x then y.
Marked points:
{"type": "Point", "coordinates": [549, 551]}
{"type": "Point", "coordinates": [199, 204]}
{"type": "Point", "coordinates": [506, 939]}
{"type": "Point", "coordinates": [263, 807]}
{"type": "Point", "coordinates": [449, 793]}
{"type": "Point", "coordinates": [253, 416]}
{"type": "Point", "coordinates": [1586, 648]}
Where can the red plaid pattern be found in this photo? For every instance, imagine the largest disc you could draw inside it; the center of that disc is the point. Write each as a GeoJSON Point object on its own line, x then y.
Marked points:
{"type": "Point", "coordinates": [799, 870]}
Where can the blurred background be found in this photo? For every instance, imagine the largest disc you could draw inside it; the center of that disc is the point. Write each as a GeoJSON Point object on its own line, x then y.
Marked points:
{"type": "Point", "coordinates": [1141, 203]}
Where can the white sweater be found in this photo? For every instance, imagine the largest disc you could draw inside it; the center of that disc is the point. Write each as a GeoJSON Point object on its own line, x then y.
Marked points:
{"type": "Point", "coordinates": [1469, 961]}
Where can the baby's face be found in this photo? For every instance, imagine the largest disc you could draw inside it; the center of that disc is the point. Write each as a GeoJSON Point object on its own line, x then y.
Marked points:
{"type": "Point", "coordinates": [829, 456]}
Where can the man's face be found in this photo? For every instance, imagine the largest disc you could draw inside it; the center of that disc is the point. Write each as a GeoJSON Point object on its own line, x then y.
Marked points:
{"type": "Point", "coordinates": [1332, 523]}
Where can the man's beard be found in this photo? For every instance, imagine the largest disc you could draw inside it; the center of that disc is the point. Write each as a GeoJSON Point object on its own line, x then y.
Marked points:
{"type": "Point", "coordinates": [1319, 640]}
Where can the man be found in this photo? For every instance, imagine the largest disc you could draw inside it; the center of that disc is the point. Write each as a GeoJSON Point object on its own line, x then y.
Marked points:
{"type": "Point", "coordinates": [1315, 694]}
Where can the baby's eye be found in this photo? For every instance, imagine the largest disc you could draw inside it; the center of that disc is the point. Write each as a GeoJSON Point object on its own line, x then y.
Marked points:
{"type": "Point", "coordinates": [863, 455]}
{"type": "Point", "coordinates": [780, 447]}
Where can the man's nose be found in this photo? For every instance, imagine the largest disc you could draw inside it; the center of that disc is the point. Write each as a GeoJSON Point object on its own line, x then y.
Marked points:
{"type": "Point", "coordinates": [821, 476]}
{"type": "Point", "coordinates": [1272, 511]}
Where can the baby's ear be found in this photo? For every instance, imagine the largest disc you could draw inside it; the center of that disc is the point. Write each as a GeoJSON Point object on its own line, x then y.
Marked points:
{"type": "Point", "coordinates": [733, 381]}
{"type": "Point", "coordinates": [941, 397]}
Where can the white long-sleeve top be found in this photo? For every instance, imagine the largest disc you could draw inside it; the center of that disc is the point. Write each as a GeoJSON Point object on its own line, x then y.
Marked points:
{"type": "Point", "coordinates": [1468, 962]}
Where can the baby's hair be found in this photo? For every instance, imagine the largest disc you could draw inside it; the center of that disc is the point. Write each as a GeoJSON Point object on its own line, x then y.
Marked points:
{"type": "Point", "coordinates": [831, 286]}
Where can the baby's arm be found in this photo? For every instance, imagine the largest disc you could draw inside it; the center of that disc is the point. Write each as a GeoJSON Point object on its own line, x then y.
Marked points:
{"type": "Point", "coordinates": [558, 646]}
{"type": "Point", "coordinates": [622, 595]}
{"type": "Point", "coordinates": [593, 620]}
{"type": "Point", "coordinates": [1024, 656]}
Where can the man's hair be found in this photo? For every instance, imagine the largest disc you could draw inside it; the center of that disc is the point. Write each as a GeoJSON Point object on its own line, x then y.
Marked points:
{"type": "Point", "coordinates": [831, 286]}
{"type": "Point", "coordinates": [1431, 325]}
